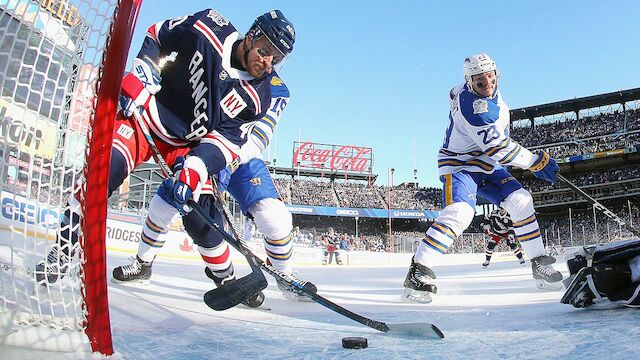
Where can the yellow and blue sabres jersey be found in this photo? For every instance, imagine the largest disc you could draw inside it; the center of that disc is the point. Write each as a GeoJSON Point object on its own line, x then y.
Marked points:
{"type": "Point", "coordinates": [477, 139]}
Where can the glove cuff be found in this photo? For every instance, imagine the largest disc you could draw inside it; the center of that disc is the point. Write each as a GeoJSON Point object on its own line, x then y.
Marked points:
{"type": "Point", "coordinates": [541, 163]}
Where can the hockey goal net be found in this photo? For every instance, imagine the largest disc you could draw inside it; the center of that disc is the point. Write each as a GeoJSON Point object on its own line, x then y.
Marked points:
{"type": "Point", "coordinates": [61, 63]}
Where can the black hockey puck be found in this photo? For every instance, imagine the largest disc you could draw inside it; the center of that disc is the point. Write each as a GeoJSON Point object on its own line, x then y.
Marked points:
{"type": "Point", "coordinates": [255, 300]}
{"type": "Point", "coordinates": [355, 342]}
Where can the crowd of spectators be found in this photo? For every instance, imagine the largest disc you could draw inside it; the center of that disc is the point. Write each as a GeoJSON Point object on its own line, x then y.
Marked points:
{"type": "Point", "coordinates": [316, 238]}
{"type": "Point", "coordinates": [585, 178]}
{"type": "Point", "coordinates": [312, 192]}
{"type": "Point", "coordinates": [354, 194]}
{"type": "Point", "coordinates": [358, 195]}
{"type": "Point", "coordinates": [587, 227]}
{"type": "Point", "coordinates": [590, 134]}
{"type": "Point", "coordinates": [35, 191]}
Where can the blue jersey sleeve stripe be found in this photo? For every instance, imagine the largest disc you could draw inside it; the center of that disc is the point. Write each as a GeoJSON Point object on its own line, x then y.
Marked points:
{"type": "Point", "coordinates": [269, 121]}
{"type": "Point", "coordinates": [492, 150]}
{"type": "Point", "coordinates": [474, 162]}
{"type": "Point", "coordinates": [481, 164]}
{"type": "Point", "coordinates": [511, 155]}
{"type": "Point", "coordinates": [261, 135]}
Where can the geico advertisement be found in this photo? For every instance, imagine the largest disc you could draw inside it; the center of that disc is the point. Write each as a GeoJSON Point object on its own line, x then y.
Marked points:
{"type": "Point", "coordinates": [18, 211]}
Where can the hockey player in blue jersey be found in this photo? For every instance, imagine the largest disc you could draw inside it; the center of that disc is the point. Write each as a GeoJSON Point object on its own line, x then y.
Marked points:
{"type": "Point", "coordinates": [210, 108]}
{"type": "Point", "coordinates": [470, 162]}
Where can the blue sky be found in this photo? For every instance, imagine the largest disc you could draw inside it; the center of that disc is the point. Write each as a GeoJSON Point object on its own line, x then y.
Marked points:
{"type": "Point", "coordinates": [377, 73]}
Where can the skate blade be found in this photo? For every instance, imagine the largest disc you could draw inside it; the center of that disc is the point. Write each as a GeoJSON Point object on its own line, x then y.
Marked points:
{"type": "Point", "coordinates": [422, 297]}
{"type": "Point", "coordinates": [134, 283]}
{"type": "Point", "coordinates": [544, 285]}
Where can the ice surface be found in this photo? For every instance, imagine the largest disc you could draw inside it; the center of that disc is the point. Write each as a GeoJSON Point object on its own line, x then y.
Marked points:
{"type": "Point", "coordinates": [496, 313]}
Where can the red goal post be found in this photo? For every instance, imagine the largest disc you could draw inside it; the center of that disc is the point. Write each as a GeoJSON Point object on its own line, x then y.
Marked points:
{"type": "Point", "coordinates": [61, 65]}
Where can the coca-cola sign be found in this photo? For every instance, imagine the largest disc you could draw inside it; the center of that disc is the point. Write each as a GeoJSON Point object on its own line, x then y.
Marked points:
{"type": "Point", "coordinates": [349, 158]}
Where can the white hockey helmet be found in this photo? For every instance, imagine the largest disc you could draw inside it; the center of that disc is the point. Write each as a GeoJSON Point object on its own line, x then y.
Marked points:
{"type": "Point", "coordinates": [478, 64]}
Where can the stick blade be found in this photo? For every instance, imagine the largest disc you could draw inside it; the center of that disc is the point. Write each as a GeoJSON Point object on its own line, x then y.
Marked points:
{"type": "Point", "coordinates": [232, 294]}
{"type": "Point", "coordinates": [420, 330]}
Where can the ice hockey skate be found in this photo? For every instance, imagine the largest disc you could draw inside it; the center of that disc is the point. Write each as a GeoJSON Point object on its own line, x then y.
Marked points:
{"type": "Point", "coordinates": [485, 264]}
{"type": "Point", "coordinates": [547, 278]}
{"type": "Point", "coordinates": [522, 261]}
{"type": "Point", "coordinates": [53, 268]}
{"type": "Point", "coordinates": [418, 285]}
{"type": "Point", "coordinates": [136, 273]}
{"type": "Point", "coordinates": [254, 301]}
{"type": "Point", "coordinates": [294, 294]}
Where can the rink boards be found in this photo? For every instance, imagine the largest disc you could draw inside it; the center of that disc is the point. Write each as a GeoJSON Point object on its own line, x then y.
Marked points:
{"type": "Point", "coordinates": [36, 220]}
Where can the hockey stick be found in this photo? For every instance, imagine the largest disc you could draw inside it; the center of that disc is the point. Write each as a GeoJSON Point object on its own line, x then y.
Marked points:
{"type": "Point", "coordinates": [308, 289]}
{"type": "Point", "coordinates": [296, 285]}
{"type": "Point", "coordinates": [233, 293]}
{"type": "Point", "coordinates": [599, 206]}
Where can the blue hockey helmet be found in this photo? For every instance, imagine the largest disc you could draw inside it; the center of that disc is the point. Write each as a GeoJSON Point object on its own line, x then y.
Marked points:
{"type": "Point", "coordinates": [277, 29]}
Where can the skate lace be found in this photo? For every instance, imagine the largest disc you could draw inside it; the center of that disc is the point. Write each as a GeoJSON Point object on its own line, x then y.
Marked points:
{"type": "Point", "coordinates": [55, 259]}
{"type": "Point", "coordinates": [421, 277]}
{"type": "Point", "coordinates": [546, 270]}
{"type": "Point", "coordinates": [132, 269]}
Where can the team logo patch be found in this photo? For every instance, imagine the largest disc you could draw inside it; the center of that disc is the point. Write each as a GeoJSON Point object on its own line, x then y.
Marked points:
{"type": "Point", "coordinates": [276, 81]}
{"type": "Point", "coordinates": [256, 181]}
{"type": "Point", "coordinates": [480, 106]}
{"type": "Point", "coordinates": [218, 18]}
{"type": "Point", "coordinates": [232, 104]}
{"type": "Point", "coordinates": [125, 131]}
{"type": "Point", "coordinates": [223, 75]}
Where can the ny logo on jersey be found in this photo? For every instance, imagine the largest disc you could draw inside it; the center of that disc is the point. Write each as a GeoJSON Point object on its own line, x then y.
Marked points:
{"type": "Point", "coordinates": [232, 104]}
{"type": "Point", "coordinates": [125, 131]}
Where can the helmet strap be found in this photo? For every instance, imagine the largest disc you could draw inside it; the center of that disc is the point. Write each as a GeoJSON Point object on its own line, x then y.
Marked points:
{"type": "Point", "coordinates": [252, 34]}
{"type": "Point", "coordinates": [236, 61]}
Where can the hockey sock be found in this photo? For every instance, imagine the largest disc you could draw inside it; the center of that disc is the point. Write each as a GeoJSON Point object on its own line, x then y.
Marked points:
{"type": "Point", "coordinates": [436, 242]}
{"type": "Point", "coordinates": [217, 258]}
{"type": "Point", "coordinates": [153, 238]}
{"type": "Point", "coordinates": [528, 233]}
{"type": "Point", "coordinates": [279, 253]}
{"type": "Point", "coordinates": [489, 252]}
{"type": "Point", "coordinates": [517, 252]}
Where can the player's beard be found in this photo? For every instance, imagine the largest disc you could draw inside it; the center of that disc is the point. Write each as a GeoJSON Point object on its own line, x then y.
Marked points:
{"type": "Point", "coordinates": [257, 70]}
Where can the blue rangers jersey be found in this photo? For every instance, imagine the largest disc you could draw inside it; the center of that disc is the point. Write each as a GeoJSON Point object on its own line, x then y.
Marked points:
{"type": "Point", "coordinates": [204, 101]}
{"type": "Point", "coordinates": [477, 139]}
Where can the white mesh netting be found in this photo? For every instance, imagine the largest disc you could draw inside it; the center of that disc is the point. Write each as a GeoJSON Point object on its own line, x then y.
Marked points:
{"type": "Point", "coordinates": [50, 57]}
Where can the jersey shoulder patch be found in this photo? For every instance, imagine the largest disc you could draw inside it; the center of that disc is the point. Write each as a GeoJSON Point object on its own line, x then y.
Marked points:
{"type": "Point", "coordinates": [478, 111]}
{"type": "Point", "coordinates": [214, 23]}
{"type": "Point", "coordinates": [278, 87]}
